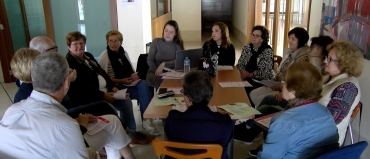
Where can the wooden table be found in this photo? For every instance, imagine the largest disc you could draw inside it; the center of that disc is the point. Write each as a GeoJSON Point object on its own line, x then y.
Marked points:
{"type": "Point", "coordinates": [220, 96]}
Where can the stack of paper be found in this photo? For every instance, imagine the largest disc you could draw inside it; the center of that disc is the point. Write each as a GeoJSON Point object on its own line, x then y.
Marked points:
{"type": "Point", "coordinates": [266, 120]}
{"type": "Point", "coordinates": [240, 110]}
{"type": "Point", "coordinates": [172, 75]}
{"type": "Point", "coordinates": [235, 84]}
{"type": "Point", "coordinates": [168, 101]}
{"type": "Point", "coordinates": [223, 67]}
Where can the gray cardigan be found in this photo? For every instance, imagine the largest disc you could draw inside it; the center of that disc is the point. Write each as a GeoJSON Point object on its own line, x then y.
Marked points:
{"type": "Point", "coordinates": [160, 51]}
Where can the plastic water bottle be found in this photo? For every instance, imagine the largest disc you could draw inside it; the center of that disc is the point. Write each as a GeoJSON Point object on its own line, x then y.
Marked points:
{"type": "Point", "coordinates": [186, 65]}
{"type": "Point", "coordinates": [214, 59]}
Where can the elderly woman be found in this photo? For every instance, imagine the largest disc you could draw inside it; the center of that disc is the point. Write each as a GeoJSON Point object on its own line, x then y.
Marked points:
{"type": "Point", "coordinates": [116, 63]}
{"type": "Point", "coordinates": [296, 52]}
{"type": "Point", "coordinates": [198, 124]}
{"type": "Point", "coordinates": [162, 53]}
{"type": "Point", "coordinates": [257, 58]}
{"type": "Point", "coordinates": [92, 83]}
{"type": "Point", "coordinates": [21, 68]}
{"type": "Point", "coordinates": [221, 45]}
{"type": "Point", "coordinates": [341, 91]}
{"type": "Point", "coordinates": [304, 115]}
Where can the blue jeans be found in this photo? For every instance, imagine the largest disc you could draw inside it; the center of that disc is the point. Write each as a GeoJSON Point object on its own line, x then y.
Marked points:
{"type": "Point", "coordinates": [139, 92]}
{"type": "Point", "coordinates": [126, 113]}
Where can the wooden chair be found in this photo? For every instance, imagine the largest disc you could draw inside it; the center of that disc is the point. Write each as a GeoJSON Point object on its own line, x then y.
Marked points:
{"type": "Point", "coordinates": [277, 61]}
{"type": "Point", "coordinates": [353, 116]}
{"type": "Point", "coordinates": [161, 148]}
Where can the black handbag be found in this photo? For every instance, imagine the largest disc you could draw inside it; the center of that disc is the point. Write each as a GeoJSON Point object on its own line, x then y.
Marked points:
{"type": "Point", "coordinates": [206, 63]}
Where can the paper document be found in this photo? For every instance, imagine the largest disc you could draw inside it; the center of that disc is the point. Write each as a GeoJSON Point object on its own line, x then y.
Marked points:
{"type": "Point", "coordinates": [93, 128]}
{"type": "Point", "coordinates": [240, 110]}
{"type": "Point", "coordinates": [223, 67]}
{"type": "Point", "coordinates": [235, 84]}
{"type": "Point", "coordinates": [269, 83]}
{"type": "Point", "coordinates": [178, 75]}
{"type": "Point", "coordinates": [180, 107]}
{"type": "Point", "coordinates": [266, 120]}
{"type": "Point", "coordinates": [213, 108]}
{"type": "Point", "coordinates": [168, 101]}
{"type": "Point", "coordinates": [134, 83]}
{"type": "Point", "coordinates": [121, 94]}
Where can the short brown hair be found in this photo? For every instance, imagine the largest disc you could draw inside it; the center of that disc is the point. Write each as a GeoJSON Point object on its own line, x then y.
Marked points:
{"type": "Point", "coordinates": [349, 57]}
{"type": "Point", "coordinates": [74, 36]}
{"type": "Point", "coordinates": [114, 32]}
{"type": "Point", "coordinates": [21, 64]}
{"type": "Point", "coordinates": [225, 35]}
{"type": "Point", "coordinates": [305, 79]}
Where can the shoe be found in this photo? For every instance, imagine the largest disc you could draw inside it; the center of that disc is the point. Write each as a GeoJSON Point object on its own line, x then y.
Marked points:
{"type": "Point", "coordinates": [140, 139]}
{"type": "Point", "coordinates": [149, 127]}
{"type": "Point", "coordinates": [255, 151]}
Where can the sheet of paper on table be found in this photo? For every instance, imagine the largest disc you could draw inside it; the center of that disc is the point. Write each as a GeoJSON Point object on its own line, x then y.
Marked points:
{"type": "Point", "coordinates": [172, 75]}
{"type": "Point", "coordinates": [224, 67]}
{"type": "Point", "coordinates": [240, 110]}
{"type": "Point", "coordinates": [235, 84]}
{"type": "Point", "coordinates": [168, 101]}
{"type": "Point", "coordinates": [268, 83]}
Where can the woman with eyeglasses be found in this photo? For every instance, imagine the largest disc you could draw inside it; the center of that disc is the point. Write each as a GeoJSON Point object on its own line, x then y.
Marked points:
{"type": "Point", "coordinates": [296, 52]}
{"type": "Point", "coordinates": [341, 91]}
{"type": "Point", "coordinates": [93, 83]}
{"type": "Point", "coordinates": [220, 44]}
{"type": "Point", "coordinates": [257, 59]}
{"type": "Point", "coordinates": [117, 64]}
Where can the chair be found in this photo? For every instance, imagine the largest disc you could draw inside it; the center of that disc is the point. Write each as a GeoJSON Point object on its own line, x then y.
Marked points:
{"type": "Point", "coordinates": [353, 116]}
{"type": "Point", "coordinates": [347, 152]}
{"type": "Point", "coordinates": [277, 61]}
{"type": "Point", "coordinates": [161, 148]}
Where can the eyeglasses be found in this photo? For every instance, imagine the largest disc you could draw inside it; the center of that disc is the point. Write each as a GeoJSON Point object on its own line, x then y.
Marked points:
{"type": "Point", "coordinates": [55, 47]}
{"type": "Point", "coordinates": [255, 35]}
{"type": "Point", "coordinates": [78, 44]}
{"type": "Point", "coordinates": [329, 59]}
{"type": "Point", "coordinates": [113, 42]}
{"type": "Point", "coordinates": [182, 91]}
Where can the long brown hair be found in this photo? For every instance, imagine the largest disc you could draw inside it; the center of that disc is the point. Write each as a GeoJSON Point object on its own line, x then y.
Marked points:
{"type": "Point", "coordinates": [177, 39]}
{"type": "Point", "coordinates": [225, 36]}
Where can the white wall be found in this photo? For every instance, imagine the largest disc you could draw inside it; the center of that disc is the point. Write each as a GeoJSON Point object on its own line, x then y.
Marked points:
{"type": "Point", "coordinates": [134, 22]}
{"type": "Point", "coordinates": [188, 15]}
{"type": "Point", "coordinates": [239, 19]}
{"type": "Point", "coordinates": [315, 19]}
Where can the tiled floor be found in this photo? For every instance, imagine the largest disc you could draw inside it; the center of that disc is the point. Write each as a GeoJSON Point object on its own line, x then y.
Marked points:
{"type": "Point", "coordinates": [8, 90]}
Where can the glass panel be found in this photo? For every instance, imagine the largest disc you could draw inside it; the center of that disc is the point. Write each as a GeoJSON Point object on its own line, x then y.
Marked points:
{"type": "Point", "coordinates": [153, 4]}
{"type": "Point", "coordinates": [169, 5]}
{"type": "Point", "coordinates": [16, 25]}
{"type": "Point", "coordinates": [160, 7]}
{"type": "Point", "coordinates": [35, 18]}
{"type": "Point", "coordinates": [95, 24]}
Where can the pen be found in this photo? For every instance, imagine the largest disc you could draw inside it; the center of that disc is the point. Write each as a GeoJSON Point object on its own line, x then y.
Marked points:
{"type": "Point", "coordinates": [176, 100]}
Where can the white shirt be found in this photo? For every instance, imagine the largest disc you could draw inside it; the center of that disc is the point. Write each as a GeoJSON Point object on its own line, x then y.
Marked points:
{"type": "Point", "coordinates": [39, 127]}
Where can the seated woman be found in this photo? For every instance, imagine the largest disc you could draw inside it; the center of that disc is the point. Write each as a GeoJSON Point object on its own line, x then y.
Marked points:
{"type": "Point", "coordinates": [198, 124]}
{"type": "Point", "coordinates": [162, 53]}
{"type": "Point", "coordinates": [221, 45]}
{"type": "Point", "coordinates": [304, 115]}
{"type": "Point", "coordinates": [116, 63]}
{"type": "Point", "coordinates": [92, 83]}
{"type": "Point", "coordinates": [21, 69]}
{"type": "Point", "coordinates": [341, 91]}
{"type": "Point", "coordinates": [296, 52]}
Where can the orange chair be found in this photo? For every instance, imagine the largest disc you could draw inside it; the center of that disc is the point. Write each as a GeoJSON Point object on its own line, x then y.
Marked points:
{"type": "Point", "coordinates": [161, 148]}
{"type": "Point", "coordinates": [353, 116]}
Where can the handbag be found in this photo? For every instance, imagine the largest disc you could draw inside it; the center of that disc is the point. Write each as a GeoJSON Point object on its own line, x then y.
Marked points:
{"type": "Point", "coordinates": [206, 63]}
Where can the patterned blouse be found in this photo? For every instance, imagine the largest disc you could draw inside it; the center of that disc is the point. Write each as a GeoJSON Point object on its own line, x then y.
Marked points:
{"type": "Point", "coordinates": [265, 63]}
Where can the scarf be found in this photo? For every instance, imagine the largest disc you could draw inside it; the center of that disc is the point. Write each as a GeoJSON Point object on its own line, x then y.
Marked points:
{"type": "Point", "coordinates": [251, 66]}
{"type": "Point", "coordinates": [121, 70]}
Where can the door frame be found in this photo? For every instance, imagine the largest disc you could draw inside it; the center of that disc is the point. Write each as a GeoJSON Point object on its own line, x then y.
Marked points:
{"type": "Point", "coordinates": [6, 49]}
